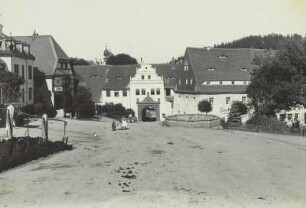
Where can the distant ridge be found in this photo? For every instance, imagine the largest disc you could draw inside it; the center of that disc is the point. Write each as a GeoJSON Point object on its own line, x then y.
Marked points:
{"type": "Point", "coordinates": [271, 41]}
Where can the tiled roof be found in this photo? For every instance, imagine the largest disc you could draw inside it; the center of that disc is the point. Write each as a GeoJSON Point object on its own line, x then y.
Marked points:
{"type": "Point", "coordinates": [92, 77]}
{"type": "Point", "coordinates": [117, 77]}
{"type": "Point", "coordinates": [223, 89]}
{"type": "Point", "coordinates": [2, 64]}
{"type": "Point", "coordinates": [46, 51]}
{"type": "Point", "coordinates": [221, 65]}
{"type": "Point", "coordinates": [227, 63]}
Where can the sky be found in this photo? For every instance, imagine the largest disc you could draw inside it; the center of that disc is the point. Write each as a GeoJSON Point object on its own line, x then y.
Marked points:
{"type": "Point", "coordinates": [155, 30]}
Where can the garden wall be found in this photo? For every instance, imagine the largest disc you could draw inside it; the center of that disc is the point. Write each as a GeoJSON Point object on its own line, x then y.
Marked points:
{"type": "Point", "coordinates": [20, 150]}
{"type": "Point", "coordinates": [193, 120]}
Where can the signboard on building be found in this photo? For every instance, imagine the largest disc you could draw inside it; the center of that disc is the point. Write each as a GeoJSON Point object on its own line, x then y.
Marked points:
{"type": "Point", "coordinates": [58, 84]}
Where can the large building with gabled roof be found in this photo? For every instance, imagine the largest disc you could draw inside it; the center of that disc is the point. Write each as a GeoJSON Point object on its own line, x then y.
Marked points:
{"type": "Point", "coordinates": [144, 87]}
{"type": "Point", "coordinates": [52, 60]}
{"type": "Point", "coordinates": [16, 56]}
{"type": "Point", "coordinates": [219, 76]}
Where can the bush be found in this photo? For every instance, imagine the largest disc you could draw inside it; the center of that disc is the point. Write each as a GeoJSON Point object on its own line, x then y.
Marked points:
{"type": "Point", "coordinates": [39, 109]}
{"type": "Point", "coordinates": [237, 109]}
{"type": "Point", "coordinates": [86, 110]}
{"type": "Point", "coordinates": [204, 106]}
{"type": "Point", "coordinates": [129, 111]}
{"type": "Point", "coordinates": [28, 109]}
{"type": "Point", "coordinates": [114, 110]}
{"type": "Point", "coordinates": [266, 124]}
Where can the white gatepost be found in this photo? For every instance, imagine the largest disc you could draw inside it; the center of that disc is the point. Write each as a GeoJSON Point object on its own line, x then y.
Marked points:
{"type": "Point", "coordinates": [9, 125]}
{"type": "Point", "coordinates": [45, 126]}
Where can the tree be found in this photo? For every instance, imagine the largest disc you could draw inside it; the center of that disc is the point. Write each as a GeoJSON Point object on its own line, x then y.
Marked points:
{"type": "Point", "coordinates": [10, 86]}
{"type": "Point", "coordinates": [121, 59]}
{"type": "Point", "coordinates": [237, 110]}
{"type": "Point", "coordinates": [83, 104]}
{"type": "Point", "coordinates": [204, 106]}
{"type": "Point", "coordinates": [279, 81]}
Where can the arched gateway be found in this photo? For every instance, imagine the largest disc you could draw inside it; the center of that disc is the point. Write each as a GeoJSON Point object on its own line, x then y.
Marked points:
{"type": "Point", "coordinates": [148, 109]}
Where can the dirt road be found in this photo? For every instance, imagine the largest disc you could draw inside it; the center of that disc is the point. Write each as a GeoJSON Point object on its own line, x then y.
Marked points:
{"type": "Point", "coordinates": [153, 166]}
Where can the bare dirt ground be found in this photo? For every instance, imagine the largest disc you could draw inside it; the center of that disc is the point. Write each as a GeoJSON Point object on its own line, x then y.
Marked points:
{"type": "Point", "coordinates": [153, 166]}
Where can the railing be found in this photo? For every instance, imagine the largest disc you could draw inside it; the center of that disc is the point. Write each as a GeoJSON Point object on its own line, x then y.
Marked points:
{"type": "Point", "coordinates": [10, 124]}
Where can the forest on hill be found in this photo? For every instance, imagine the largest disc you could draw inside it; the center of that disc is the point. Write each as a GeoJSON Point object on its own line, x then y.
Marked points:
{"type": "Point", "coordinates": [271, 41]}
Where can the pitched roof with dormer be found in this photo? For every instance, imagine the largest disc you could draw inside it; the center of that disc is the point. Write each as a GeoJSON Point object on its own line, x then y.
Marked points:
{"type": "Point", "coordinates": [218, 64]}
{"type": "Point", "coordinates": [46, 51]}
{"type": "Point", "coordinates": [117, 77]}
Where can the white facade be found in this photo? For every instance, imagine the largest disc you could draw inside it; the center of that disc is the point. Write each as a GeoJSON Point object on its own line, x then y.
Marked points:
{"type": "Point", "coordinates": [146, 82]}
{"type": "Point", "coordinates": [221, 103]}
{"type": "Point", "coordinates": [24, 68]}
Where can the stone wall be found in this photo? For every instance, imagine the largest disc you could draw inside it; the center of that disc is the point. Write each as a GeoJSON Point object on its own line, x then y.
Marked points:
{"type": "Point", "coordinates": [20, 150]}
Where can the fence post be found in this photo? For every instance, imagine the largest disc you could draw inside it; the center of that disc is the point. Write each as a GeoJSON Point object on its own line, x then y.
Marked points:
{"type": "Point", "coordinates": [45, 126]}
{"type": "Point", "coordinates": [9, 126]}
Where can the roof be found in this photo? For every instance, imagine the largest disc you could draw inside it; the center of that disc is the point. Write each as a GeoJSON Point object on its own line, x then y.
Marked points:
{"type": "Point", "coordinates": [93, 78]}
{"type": "Point", "coordinates": [117, 77]}
{"type": "Point", "coordinates": [46, 51]}
{"type": "Point", "coordinates": [218, 64]}
{"type": "Point", "coordinates": [2, 64]}
{"type": "Point", "coordinates": [147, 100]}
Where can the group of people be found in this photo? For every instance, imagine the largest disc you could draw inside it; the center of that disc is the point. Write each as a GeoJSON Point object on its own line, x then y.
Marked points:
{"type": "Point", "coordinates": [121, 125]}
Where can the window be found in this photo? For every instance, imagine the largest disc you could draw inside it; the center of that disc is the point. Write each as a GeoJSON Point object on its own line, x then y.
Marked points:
{"type": "Point", "coordinates": [211, 101]}
{"type": "Point", "coordinates": [16, 69]}
{"type": "Point", "coordinates": [143, 91]}
{"type": "Point", "coordinates": [152, 91]}
{"type": "Point", "coordinates": [227, 100]}
{"type": "Point", "coordinates": [282, 117]}
{"type": "Point", "coordinates": [137, 92]}
{"type": "Point", "coordinates": [289, 117]}
{"type": "Point", "coordinates": [168, 92]}
{"type": "Point", "coordinates": [22, 71]}
{"type": "Point", "coordinates": [149, 76]}
{"type": "Point", "coordinates": [116, 94]}
{"type": "Point", "coordinates": [244, 99]}
{"type": "Point", "coordinates": [296, 116]}
{"type": "Point", "coordinates": [186, 81]}
{"type": "Point", "coordinates": [233, 82]}
{"type": "Point", "coordinates": [108, 93]}
{"type": "Point", "coordinates": [30, 93]}
{"type": "Point", "coordinates": [220, 83]}
{"type": "Point", "coordinates": [186, 66]}
{"type": "Point", "coordinates": [180, 81]}
{"type": "Point", "coordinates": [142, 77]}
{"type": "Point", "coordinates": [157, 91]}
{"type": "Point", "coordinates": [191, 81]}
{"type": "Point", "coordinates": [124, 93]}
{"type": "Point", "coordinates": [30, 72]}
{"type": "Point", "coordinates": [22, 95]}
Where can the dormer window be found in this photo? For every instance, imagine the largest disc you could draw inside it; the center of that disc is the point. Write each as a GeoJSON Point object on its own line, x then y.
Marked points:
{"type": "Point", "coordinates": [186, 65]}
{"type": "Point", "coordinates": [222, 56]}
{"type": "Point", "coordinates": [244, 69]}
{"type": "Point", "coordinates": [95, 76]}
{"type": "Point", "coordinates": [210, 69]}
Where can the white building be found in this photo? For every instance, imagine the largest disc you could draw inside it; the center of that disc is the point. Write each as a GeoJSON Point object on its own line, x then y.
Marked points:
{"type": "Point", "coordinates": [51, 59]}
{"type": "Point", "coordinates": [219, 76]}
{"type": "Point", "coordinates": [142, 87]}
{"type": "Point", "coordinates": [18, 59]}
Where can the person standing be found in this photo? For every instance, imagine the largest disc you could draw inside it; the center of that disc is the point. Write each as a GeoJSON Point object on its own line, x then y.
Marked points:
{"type": "Point", "coordinates": [124, 123]}
{"type": "Point", "coordinates": [114, 125]}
